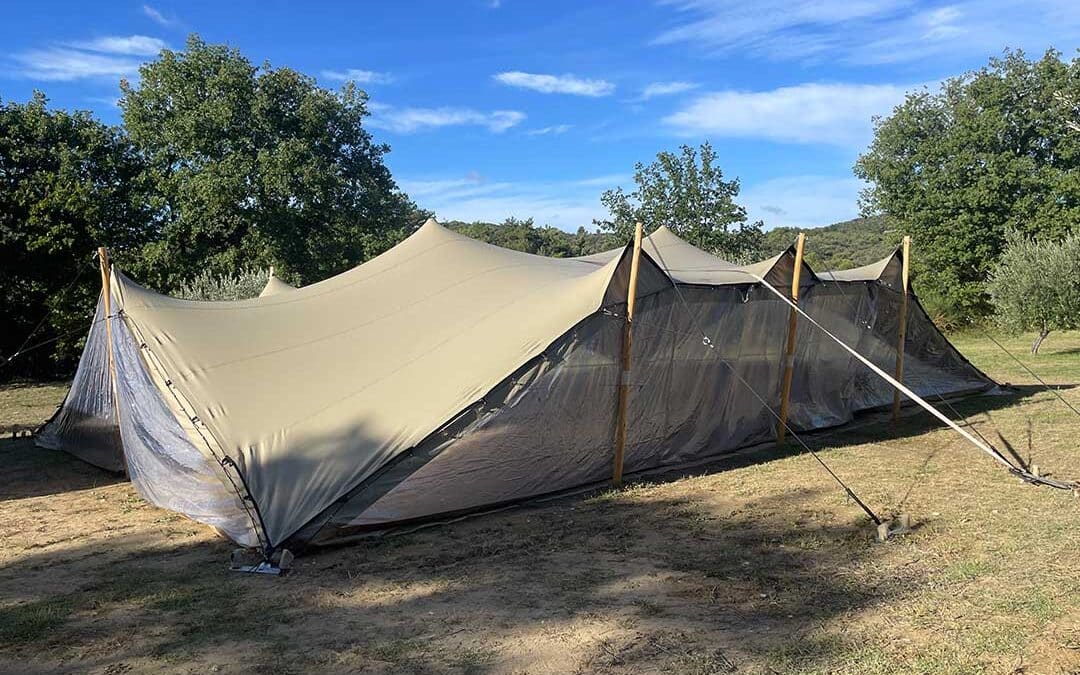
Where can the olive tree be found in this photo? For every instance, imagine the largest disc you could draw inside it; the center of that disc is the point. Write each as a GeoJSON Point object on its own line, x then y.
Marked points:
{"type": "Point", "coordinates": [1036, 285]}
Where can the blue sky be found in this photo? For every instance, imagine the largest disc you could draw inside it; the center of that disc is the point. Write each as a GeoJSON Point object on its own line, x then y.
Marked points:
{"type": "Point", "coordinates": [499, 108]}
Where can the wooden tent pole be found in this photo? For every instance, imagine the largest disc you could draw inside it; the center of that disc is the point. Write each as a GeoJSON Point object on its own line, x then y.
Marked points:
{"type": "Point", "coordinates": [106, 292]}
{"type": "Point", "coordinates": [901, 337]}
{"type": "Point", "coordinates": [789, 351]}
{"type": "Point", "coordinates": [624, 373]}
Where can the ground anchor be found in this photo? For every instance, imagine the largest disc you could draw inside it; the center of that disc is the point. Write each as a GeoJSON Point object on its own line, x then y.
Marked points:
{"type": "Point", "coordinates": [250, 561]}
{"type": "Point", "coordinates": [888, 529]}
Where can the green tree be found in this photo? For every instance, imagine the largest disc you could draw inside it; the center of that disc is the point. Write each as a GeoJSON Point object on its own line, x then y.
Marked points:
{"type": "Point", "coordinates": [68, 184]}
{"type": "Point", "coordinates": [687, 192]}
{"type": "Point", "coordinates": [257, 166]}
{"type": "Point", "coordinates": [523, 235]}
{"type": "Point", "coordinates": [209, 286]}
{"type": "Point", "coordinates": [1036, 285]}
{"type": "Point", "coordinates": [990, 152]}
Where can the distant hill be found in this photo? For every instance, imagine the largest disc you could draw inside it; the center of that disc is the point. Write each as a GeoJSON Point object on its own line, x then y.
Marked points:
{"type": "Point", "coordinates": [834, 247]}
{"type": "Point", "coordinates": [840, 246]}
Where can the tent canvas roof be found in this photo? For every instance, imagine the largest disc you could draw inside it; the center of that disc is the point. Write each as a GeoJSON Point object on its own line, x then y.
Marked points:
{"type": "Point", "coordinates": [688, 264]}
{"type": "Point", "coordinates": [361, 366]}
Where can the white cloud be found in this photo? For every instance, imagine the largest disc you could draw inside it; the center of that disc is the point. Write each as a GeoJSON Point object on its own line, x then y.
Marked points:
{"type": "Point", "coordinates": [358, 76]}
{"type": "Point", "coordinates": [552, 130]}
{"type": "Point", "coordinates": [556, 84]}
{"type": "Point", "coordinates": [835, 114]}
{"type": "Point", "coordinates": [133, 45]}
{"type": "Point", "coordinates": [655, 89]}
{"type": "Point", "coordinates": [802, 201]}
{"type": "Point", "coordinates": [564, 204]}
{"type": "Point", "coordinates": [871, 31]}
{"type": "Point", "coordinates": [105, 57]}
{"type": "Point", "coordinates": [410, 120]}
{"type": "Point", "coordinates": [63, 64]}
{"type": "Point", "coordinates": [157, 17]}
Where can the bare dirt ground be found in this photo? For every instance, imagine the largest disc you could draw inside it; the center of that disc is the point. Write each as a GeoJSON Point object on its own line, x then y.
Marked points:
{"type": "Point", "coordinates": [758, 564]}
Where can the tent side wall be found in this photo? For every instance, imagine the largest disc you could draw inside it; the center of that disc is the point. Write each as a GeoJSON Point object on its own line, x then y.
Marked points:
{"type": "Point", "coordinates": [150, 441]}
{"type": "Point", "coordinates": [163, 457]}
{"type": "Point", "coordinates": [85, 424]}
{"type": "Point", "coordinates": [549, 428]}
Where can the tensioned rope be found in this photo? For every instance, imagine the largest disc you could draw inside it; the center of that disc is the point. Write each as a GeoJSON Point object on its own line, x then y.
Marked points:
{"type": "Point", "coordinates": [22, 347]}
{"type": "Point", "coordinates": [1031, 372]}
{"type": "Point", "coordinates": [980, 444]}
{"type": "Point", "coordinates": [708, 343]}
{"type": "Point", "coordinates": [26, 350]}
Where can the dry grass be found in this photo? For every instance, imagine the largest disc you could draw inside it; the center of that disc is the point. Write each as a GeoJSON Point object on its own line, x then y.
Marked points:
{"type": "Point", "coordinates": [759, 565]}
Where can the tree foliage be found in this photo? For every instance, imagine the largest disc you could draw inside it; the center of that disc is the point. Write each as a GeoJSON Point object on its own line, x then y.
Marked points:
{"type": "Point", "coordinates": [258, 166]}
{"type": "Point", "coordinates": [687, 192]}
{"type": "Point", "coordinates": [206, 285]}
{"type": "Point", "coordinates": [523, 235]}
{"type": "Point", "coordinates": [67, 184]}
{"type": "Point", "coordinates": [992, 151]}
{"type": "Point", "coordinates": [1036, 285]}
{"type": "Point", "coordinates": [843, 245]}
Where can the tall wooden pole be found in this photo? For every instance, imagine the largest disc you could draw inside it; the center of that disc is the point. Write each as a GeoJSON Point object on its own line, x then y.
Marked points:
{"type": "Point", "coordinates": [901, 334]}
{"type": "Point", "coordinates": [624, 374]}
{"type": "Point", "coordinates": [789, 351]}
{"type": "Point", "coordinates": [106, 293]}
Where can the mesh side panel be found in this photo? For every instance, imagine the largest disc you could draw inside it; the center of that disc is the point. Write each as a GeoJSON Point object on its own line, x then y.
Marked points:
{"type": "Point", "coordinates": [166, 468]}
{"type": "Point", "coordinates": [555, 436]}
{"type": "Point", "coordinates": [557, 431]}
{"type": "Point", "coordinates": [85, 425]}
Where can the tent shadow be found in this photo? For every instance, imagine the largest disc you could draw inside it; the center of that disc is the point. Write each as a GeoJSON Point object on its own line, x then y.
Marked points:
{"type": "Point", "coordinates": [667, 575]}
{"type": "Point", "coordinates": [30, 471]}
{"type": "Point", "coordinates": [730, 577]}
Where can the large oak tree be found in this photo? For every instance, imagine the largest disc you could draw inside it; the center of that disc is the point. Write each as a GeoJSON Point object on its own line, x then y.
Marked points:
{"type": "Point", "coordinates": [255, 165]}
{"type": "Point", "coordinates": [991, 151]}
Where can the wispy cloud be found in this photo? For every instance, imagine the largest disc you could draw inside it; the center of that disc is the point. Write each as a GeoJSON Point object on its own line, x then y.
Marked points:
{"type": "Point", "coordinates": [556, 84]}
{"type": "Point", "coordinates": [158, 17]}
{"type": "Point", "coordinates": [407, 120]}
{"type": "Point", "coordinates": [833, 114]}
{"type": "Point", "coordinates": [802, 201]}
{"type": "Point", "coordinates": [358, 76]}
{"type": "Point", "coordinates": [870, 31]}
{"type": "Point", "coordinates": [133, 45]}
{"type": "Point", "coordinates": [104, 57]}
{"type": "Point", "coordinates": [565, 204]}
{"type": "Point", "coordinates": [655, 89]}
{"type": "Point", "coordinates": [552, 130]}
{"type": "Point", "coordinates": [61, 64]}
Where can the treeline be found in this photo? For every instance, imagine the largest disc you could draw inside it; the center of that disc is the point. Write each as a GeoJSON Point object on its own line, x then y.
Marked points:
{"type": "Point", "coordinates": [219, 166]}
{"type": "Point", "coordinates": [523, 235]}
{"type": "Point", "coordinates": [222, 167]}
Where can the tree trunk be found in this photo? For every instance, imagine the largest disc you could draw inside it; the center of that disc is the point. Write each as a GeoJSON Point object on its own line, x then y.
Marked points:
{"type": "Point", "coordinates": [1039, 340]}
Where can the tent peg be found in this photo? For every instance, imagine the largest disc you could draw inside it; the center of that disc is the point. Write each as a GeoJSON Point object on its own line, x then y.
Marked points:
{"type": "Point", "coordinates": [894, 528]}
{"type": "Point", "coordinates": [244, 560]}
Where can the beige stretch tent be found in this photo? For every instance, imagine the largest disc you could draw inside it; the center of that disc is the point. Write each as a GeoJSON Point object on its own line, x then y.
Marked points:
{"type": "Point", "coordinates": [448, 375]}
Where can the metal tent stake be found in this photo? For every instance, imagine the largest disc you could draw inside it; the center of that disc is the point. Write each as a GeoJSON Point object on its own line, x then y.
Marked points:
{"type": "Point", "coordinates": [888, 529]}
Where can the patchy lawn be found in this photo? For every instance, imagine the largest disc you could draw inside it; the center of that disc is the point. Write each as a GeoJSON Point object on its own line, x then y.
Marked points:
{"type": "Point", "coordinates": [757, 565]}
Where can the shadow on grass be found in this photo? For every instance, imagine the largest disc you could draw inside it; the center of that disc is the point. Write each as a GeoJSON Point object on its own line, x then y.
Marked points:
{"type": "Point", "coordinates": [683, 582]}
{"type": "Point", "coordinates": [30, 471]}
{"type": "Point", "coordinates": [774, 566]}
